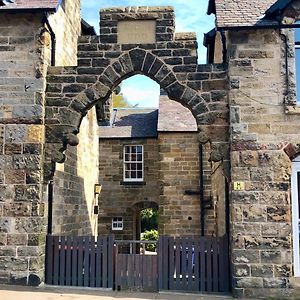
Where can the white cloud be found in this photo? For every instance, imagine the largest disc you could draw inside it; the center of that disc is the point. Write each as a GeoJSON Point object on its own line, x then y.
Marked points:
{"type": "Point", "coordinates": [140, 90]}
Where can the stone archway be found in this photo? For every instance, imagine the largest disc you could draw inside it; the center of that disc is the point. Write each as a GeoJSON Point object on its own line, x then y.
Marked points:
{"type": "Point", "coordinates": [103, 63]}
{"type": "Point", "coordinates": [136, 210]}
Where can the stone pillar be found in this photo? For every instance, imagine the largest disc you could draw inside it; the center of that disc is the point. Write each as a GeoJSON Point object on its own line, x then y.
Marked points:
{"type": "Point", "coordinates": [260, 206]}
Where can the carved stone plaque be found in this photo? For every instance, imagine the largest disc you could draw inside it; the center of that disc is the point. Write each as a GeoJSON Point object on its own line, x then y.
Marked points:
{"type": "Point", "coordinates": [136, 32]}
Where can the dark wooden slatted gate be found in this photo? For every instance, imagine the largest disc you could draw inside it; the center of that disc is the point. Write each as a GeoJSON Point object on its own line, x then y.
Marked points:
{"type": "Point", "coordinates": [80, 261]}
{"type": "Point", "coordinates": [194, 264]}
{"type": "Point", "coordinates": [181, 264]}
{"type": "Point", "coordinates": [136, 269]}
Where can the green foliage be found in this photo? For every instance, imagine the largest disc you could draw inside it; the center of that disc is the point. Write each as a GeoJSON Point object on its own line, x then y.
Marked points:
{"type": "Point", "coordinates": [149, 219]}
{"type": "Point", "coordinates": [150, 235]}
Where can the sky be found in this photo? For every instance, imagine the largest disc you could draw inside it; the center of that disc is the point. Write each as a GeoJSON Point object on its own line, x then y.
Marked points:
{"type": "Point", "coordinates": [190, 16]}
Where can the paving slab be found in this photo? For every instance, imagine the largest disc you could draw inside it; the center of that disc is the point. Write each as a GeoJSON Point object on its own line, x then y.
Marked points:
{"type": "Point", "coordinates": [59, 293]}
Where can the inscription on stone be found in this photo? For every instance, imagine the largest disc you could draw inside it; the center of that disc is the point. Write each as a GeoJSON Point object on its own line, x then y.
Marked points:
{"type": "Point", "coordinates": [136, 32]}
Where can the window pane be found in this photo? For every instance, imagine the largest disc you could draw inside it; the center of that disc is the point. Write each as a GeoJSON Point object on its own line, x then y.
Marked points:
{"type": "Point", "coordinates": [133, 174]}
{"type": "Point", "coordinates": [140, 167]}
{"type": "Point", "coordinates": [127, 149]}
{"type": "Point", "coordinates": [133, 166]}
{"type": "Point", "coordinates": [139, 157]}
{"type": "Point", "coordinates": [297, 60]}
{"type": "Point", "coordinates": [133, 157]}
{"type": "Point", "coordinates": [139, 174]}
{"type": "Point", "coordinates": [139, 149]}
{"type": "Point", "coordinates": [133, 149]}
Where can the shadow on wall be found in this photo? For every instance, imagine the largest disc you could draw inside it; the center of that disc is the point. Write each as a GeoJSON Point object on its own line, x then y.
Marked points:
{"type": "Point", "coordinates": [73, 189]}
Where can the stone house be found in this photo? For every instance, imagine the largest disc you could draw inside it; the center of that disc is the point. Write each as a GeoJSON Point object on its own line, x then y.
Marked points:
{"type": "Point", "coordinates": [244, 101]}
{"type": "Point", "coordinates": [166, 140]}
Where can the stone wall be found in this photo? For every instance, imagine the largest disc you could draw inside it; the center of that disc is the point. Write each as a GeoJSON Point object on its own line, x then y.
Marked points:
{"type": "Point", "coordinates": [66, 23]}
{"type": "Point", "coordinates": [260, 129]}
{"type": "Point", "coordinates": [22, 208]}
{"type": "Point", "coordinates": [73, 197]}
{"type": "Point", "coordinates": [179, 171]}
{"type": "Point", "coordinates": [120, 199]}
{"type": "Point", "coordinates": [25, 55]}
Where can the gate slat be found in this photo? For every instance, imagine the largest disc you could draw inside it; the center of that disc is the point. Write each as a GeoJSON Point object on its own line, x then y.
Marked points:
{"type": "Point", "coordinates": [68, 260]}
{"type": "Point", "coordinates": [202, 264]}
{"type": "Point", "coordinates": [226, 277]}
{"type": "Point", "coordinates": [74, 261]}
{"type": "Point", "coordinates": [177, 284]}
{"type": "Point", "coordinates": [110, 260]}
{"type": "Point", "coordinates": [209, 264]}
{"type": "Point", "coordinates": [62, 261]}
{"type": "Point", "coordinates": [55, 260]}
{"type": "Point", "coordinates": [80, 261]}
{"type": "Point", "coordinates": [171, 257]}
{"type": "Point", "coordinates": [104, 262]}
{"type": "Point", "coordinates": [190, 264]}
{"type": "Point", "coordinates": [160, 260]}
{"type": "Point", "coordinates": [86, 261]}
{"type": "Point", "coordinates": [92, 262]}
{"type": "Point", "coordinates": [196, 283]}
{"type": "Point", "coordinates": [215, 263]}
{"type": "Point", "coordinates": [98, 262]}
{"type": "Point", "coordinates": [49, 259]}
{"type": "Point", "coordinates": [184, 263]}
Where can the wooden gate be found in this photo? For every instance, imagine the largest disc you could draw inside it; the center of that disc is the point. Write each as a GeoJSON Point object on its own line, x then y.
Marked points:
{"type": "Point", "coordinates": [194, 264]}
{"type": "Point", "coordinates": [180, 264]}
{"type": "Point", "coordinates": [80, 261]}
{"type": "Point", "coordinates": [136, 269]}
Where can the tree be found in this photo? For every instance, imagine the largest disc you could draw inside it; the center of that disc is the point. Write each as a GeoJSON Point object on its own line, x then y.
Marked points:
{"type": "Point", "coordinates": [118, 100]}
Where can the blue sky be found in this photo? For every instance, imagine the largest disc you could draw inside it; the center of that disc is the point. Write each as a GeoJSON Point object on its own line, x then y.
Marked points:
{"type": "Point", "coordinates": [190, 16]}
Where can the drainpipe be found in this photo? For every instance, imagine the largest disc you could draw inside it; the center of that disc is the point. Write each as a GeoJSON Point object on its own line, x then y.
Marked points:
{"type": "Point", "coordinates": [50, 207]}
{"type": "Point", "coordinates": [53, 38]}
{"type": "Point", "coordinates": [201, 191]}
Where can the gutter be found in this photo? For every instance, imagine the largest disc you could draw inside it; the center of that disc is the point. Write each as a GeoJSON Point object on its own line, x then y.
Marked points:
{"type": "Point", "coordinates": [201, 191]}
{"type": "Point", "coordinates": [253, 27]}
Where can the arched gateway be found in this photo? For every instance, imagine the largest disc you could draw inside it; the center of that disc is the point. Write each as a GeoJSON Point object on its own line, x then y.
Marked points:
{"type": "Point", "coordinates": [139, 40]}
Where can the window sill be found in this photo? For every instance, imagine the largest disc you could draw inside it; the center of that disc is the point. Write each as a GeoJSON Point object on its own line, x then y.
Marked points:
{"type": "Point", "coordinates": [134, 183]}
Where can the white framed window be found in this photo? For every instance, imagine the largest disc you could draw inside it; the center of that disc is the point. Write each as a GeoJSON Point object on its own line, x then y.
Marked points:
{"type": "Point", "coordinates": [297, 62]}
{"type": "Point", "coordinates": [117, 223]}
{"type": "Point", "coordinates": [133, 163]}
{"type": "Point", "coordinates": [295, 185]}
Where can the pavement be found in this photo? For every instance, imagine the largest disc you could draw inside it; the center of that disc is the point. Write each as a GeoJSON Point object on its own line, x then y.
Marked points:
{"type": "Point", "coordinates": [58, 293]}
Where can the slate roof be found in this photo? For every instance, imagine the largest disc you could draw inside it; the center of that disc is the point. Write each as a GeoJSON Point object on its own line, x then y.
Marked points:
{"type": "Point", "coordinates": [146, 123]}
{"type": "Point", "coordinates": [173, 116]}
{"type": "Point", "coordinates": [237, 13]}
{"type": "Point", "coordinates": [49, 5]}
{"type": "Point", "coordinates": [131, 123]}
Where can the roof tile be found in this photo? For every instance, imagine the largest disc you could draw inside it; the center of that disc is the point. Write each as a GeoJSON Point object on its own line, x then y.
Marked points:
{"type": "Point", "coordinates": [232, 13]}
{"type": "Point", "coordinates": [31, 4]}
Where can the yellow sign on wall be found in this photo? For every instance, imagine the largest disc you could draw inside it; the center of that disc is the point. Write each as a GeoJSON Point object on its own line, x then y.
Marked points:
{"type": "Point", "coordinates": [239, 185]}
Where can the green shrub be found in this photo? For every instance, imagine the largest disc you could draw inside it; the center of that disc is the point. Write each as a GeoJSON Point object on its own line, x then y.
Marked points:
{"type": "Point", "coordinates": [150, 235]}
